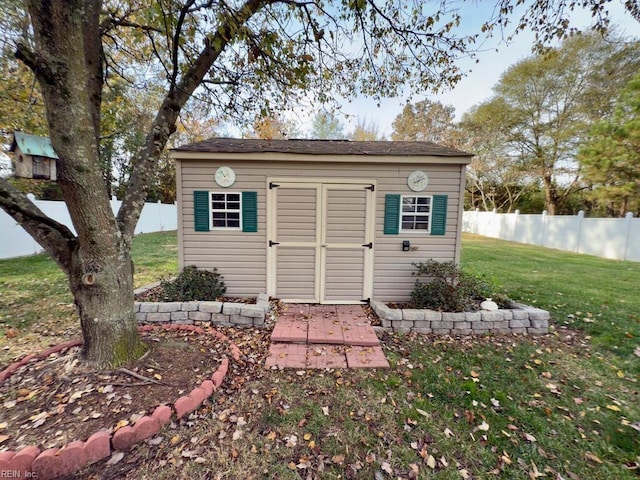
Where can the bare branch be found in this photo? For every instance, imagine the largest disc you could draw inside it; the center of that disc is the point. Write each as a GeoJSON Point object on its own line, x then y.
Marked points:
{"type": "Point", "coordinates": [54, 237]}
{"type": "Point", "coordinates": [165, 122]}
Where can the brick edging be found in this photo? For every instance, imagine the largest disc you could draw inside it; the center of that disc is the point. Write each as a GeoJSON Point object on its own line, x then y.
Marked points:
{"type": "Point", "coordinates": [52, 463]}
{"type": "Point", "coordinates": [522, 319]}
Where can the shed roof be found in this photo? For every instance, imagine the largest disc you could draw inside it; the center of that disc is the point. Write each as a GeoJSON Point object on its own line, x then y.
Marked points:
{"type": "Point", "coordinates": [33, 145]}
{"type": "Point", "coordinates": [322, 147]}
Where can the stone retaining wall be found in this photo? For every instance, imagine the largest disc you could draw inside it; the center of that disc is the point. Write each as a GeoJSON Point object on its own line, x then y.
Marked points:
{"type": "Point", "coordinates": [217, 313]}
{"type": "Point", "coordinates": [519, 319]}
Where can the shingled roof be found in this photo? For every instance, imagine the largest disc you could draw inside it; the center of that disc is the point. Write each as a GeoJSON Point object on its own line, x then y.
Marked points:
{"type": "Point", "coordinates": [321, 147]}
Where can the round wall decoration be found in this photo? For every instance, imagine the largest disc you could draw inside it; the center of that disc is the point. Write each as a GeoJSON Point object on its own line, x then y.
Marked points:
{"type": "Point", "coordinates": [225, 176]}
{"type": "Point", "coordinates": [417, 180]}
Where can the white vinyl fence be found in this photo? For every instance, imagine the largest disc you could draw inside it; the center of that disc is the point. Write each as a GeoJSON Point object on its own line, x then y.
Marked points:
{"type": "Point", "coordinates": [615, 238]}
{"type": "Point", "coordinates": [16, 242]}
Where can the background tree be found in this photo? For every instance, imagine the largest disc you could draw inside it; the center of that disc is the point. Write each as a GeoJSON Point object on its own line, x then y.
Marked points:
{"type": "Point", "coordinates": [611, 156]}
{"type": "Point", "coordinates": [326, 126]}
{"type": "Point", "coordinates": [365, 131]}
{"type": "Point", "coordinates": [273, 127]}
{"type": "Point", "coordinates": [544, 105]}
{"type": "Point", "coordinates": [239, 57]}
{"type": "Point", "coordinates": [494, 179]}
{"type": "Point", "coordinates": [425, 121]}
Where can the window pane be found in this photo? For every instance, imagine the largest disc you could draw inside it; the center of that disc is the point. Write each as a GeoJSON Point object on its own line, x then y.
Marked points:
{"type": "Point", "coordinates": [233, 206]}
{"type": "Point", "coordinates": [233, 197]}
{"type": "Point", "coordinates": [218, 197]}
{"type": "Point", "coordinates": [422, 218]}
{"type": "Point", "coordinates": [408, 208]}
{"type": "Point", "coordinates": [424, 200]}
{"type": "Point", "coordinates": [219, 223]}
{"type": "Point", "coordinates": [218, 205]}
{"type": "Point", "coordinates": [234, 215]}
{"type": "Point", "coordinates": [233, 223]}
{"type": "Point", "coordinates": [423, 208]}
{"type": "Point", "coordinates": [421, 226]}
{"type": "Point", "coordinates": [407, 225]}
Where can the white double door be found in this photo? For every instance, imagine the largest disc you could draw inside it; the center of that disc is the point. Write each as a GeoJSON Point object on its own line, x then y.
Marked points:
{"type": "Point", "coordinates": [320, 244]}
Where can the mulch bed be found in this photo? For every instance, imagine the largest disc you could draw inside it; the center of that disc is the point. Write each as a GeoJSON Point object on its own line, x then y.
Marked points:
{"type": "Point", "coordinates": [56, 400]}
{"type": "Point", "coordinates": [156, 294]}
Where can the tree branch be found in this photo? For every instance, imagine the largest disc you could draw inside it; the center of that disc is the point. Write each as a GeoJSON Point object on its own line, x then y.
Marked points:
{"type": "Point", "coordinates": [36, 64]}
{"type": "Point", "coordinates": [54, 237]}
{"type": "Point", "coordinates": [165, 122]}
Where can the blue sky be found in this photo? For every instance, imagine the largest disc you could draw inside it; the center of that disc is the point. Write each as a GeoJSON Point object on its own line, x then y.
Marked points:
{"type": "Point", "coordinates": [494, 56]}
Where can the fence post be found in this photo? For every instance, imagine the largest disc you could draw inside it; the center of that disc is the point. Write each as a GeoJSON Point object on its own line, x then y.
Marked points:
{"type": "Point", "coordinates": [580, 219]}
{"type": "Point", "coordinates": [515, 226]}
{"type": "Point", "coordinates": [627, 241]}
{"type": "Point", "coordinates": [544, 227]}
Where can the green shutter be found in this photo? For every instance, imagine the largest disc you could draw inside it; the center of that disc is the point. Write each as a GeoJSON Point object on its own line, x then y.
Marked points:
{"type": "Point", "coordinates": [439, 219]}
{"type": "Point", "coordinates": [201, 210]}
{"type": "Point", "coordinates": [250, 212]}
{"type": "Point", "coordinates": [391, 214]}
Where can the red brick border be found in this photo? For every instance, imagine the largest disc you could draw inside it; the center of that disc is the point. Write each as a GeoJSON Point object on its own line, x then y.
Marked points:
{"type": "Point", "coordinates": [57, 462]}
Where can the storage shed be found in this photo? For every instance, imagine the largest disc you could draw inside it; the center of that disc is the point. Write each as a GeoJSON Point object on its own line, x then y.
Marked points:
{"type": "Point", "coordinates": [318, 221]}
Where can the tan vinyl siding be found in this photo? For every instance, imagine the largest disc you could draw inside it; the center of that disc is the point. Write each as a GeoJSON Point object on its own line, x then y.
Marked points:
{"type": "Point", "coordinates": [344, 274]}
{"type": "Point", "coordinates": [393, 267]}
{"type": "Point", "coordinates": [346, 216]}
{"type": "Point", "coordinates": [296, 220]}
{"type": "Point", "coordinates": [295, 273]}
{"type": "Point", "coordinates": [241, 257]}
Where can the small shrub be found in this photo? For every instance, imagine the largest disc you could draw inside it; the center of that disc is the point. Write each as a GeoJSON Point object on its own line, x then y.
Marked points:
{"type": "Point", "coordinates": [448, 288]}
{"type": "Point", "coordinates": [193, 284]}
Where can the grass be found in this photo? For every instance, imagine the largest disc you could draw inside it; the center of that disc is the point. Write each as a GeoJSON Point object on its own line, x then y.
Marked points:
{"type": "Point", "coordinates": [596, 295]}
{"type": "Point", "coordinates": [37, 307]}
{"type": "Point", "coordinates": [561, 406]}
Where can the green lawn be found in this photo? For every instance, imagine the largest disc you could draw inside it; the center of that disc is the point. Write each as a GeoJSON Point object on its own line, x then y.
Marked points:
{"type": "Point", "coordinates": [593, 294]}
{"type": "Point", "coordinates": [561, 406]}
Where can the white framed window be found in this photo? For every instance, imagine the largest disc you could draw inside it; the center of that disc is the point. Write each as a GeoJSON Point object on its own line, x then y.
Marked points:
{"type": "Point", "coordinates": [226, 210]}
{"type": "Point", "coordinates": [415, 213]}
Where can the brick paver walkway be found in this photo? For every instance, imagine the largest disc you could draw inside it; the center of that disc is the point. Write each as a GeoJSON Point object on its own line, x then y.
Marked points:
{"type": "Point", "coordinates": [325, 336]}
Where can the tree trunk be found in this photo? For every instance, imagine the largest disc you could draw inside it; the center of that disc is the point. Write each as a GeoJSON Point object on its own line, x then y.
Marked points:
{"type": "Point", "coordinates": [68, 64]}
{"type": "Point", "coordinates": [103, 295]}
{"type": "Point", "coordinates": [550, 197]}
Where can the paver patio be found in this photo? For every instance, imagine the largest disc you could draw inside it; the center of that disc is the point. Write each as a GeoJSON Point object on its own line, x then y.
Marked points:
{"type": "Point", "coordinates": [324, 336]}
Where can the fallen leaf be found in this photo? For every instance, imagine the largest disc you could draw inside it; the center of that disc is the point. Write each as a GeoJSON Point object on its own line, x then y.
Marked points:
{"type": "Point", "coordinates": [448, 433]}
{"type": "Point", "coordinates": [292, 441]}
{"type": "Point", "coordinates": [337, 459]}
{"type": "Point", "coordinates": [386, 466]}
{"type": "Point", "coordinates": [484, 426]}
{"type": "Point", "coordinates": [615, 408]}
{"type": "Point", "coordinates": [464, 474]}
{"type": "Point", "coordinates": [237, 435]}
{"type": "Point", "coordinates": [115, 458]}
{"type": "Point", "coordinates": [325, 410]}
{"type": "Point", "coordinates": [591, 456]}
{"type": "Point", "coordinates": [422, 412]}
{"type": "Point", "coordinates": [530, 438]}
{"type": "Point", "coordinates": [431, 462]}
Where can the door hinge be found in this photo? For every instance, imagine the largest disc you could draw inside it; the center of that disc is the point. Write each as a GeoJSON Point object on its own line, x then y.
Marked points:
{"type": "Point", "coordinates": [370, 245]}
{"type": "Point", "coordinates": [273, 185]}
{"type": "Point", "coordinates": [272, 243]}
{"type": "Point", "coordinates": [371, 187]}
{"type": "Point", "coordinates": [366, 300]}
